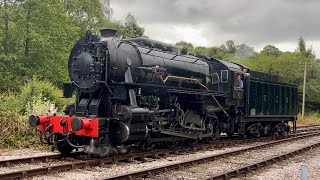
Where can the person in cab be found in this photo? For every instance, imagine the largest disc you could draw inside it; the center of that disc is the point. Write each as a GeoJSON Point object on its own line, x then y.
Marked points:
{"type": "Point", "coordinates": [239, 82]}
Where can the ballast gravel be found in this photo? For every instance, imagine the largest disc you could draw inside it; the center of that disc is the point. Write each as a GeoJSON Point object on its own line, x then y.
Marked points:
{"type": "Point", "coordinates": [230, 163]}
{"type": "Point", "coordinates": [6, 154]}
{"type": "Point", "coordinates": [290, 169]}
{"type": "Point", "coordinates": [22, 153]}
{"type": "Point", "coordinates": [197, 172]}
{"type": "Point", "coordinates": [117, 169]}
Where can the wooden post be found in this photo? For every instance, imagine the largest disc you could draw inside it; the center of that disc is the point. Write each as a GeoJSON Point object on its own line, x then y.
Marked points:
{"type": "Point", "coordinates": [304, 90]}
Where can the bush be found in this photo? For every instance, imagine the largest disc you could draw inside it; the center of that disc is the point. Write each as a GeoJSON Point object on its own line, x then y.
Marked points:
{"type": "Point", "coordinates": [14, 127]}
{"type": "Point", "coordinates": [36, 97]}
{"type": "Point", "coordinates": [16, 131]}
{"type": "Point", "coordinates": [42, 89]}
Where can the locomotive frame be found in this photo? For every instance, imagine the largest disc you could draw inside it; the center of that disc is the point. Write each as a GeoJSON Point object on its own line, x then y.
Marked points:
{"type": "Point", "coordinates": [141, 93]}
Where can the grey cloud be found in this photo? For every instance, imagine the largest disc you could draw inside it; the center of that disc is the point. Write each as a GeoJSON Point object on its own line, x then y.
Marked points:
{"type": "Point", "coordinates": [251, 21]}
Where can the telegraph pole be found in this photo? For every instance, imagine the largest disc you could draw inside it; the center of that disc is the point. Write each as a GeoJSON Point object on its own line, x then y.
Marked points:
{"type": "Point", "coordinates": [304, 90]}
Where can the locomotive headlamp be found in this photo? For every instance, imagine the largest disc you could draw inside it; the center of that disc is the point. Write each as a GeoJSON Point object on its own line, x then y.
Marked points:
{"type": "Point", "coordinates": [78, 124]}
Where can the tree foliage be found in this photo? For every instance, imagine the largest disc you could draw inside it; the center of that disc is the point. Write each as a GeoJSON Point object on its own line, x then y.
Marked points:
{"type": "Point", "coordinates": [228, 51]}
{"type": "Point", "coordinates": [37, 41]}
{"type": "Point", "coordinates": [303, 50]}
{"type": "Point", "coordinates": [301, 45]}
{"type": "Point", "coordinates": [186, 45]}
{"type": "Point", "coordinates": [36, 37]}
{"type": "Point", "coordinates": [131, 29]}
{"type": "Point", "coordinates": [271, 50]}
{"type": "Point", "coordinates": [230, 46]}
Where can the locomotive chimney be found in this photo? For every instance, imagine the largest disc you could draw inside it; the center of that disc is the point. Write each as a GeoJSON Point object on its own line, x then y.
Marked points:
{"type": "Point", "coordinates": [108, 33]}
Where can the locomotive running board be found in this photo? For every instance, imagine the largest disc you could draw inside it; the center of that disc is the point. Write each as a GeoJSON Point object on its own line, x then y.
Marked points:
{"type": "Point", "coordinates": [264, 118]}
{"type": "Point", "coordinates": [179, 134]}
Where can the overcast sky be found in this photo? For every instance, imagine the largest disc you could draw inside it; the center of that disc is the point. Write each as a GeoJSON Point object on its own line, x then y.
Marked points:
{"type": "Point", "coordinates": [212, 22]}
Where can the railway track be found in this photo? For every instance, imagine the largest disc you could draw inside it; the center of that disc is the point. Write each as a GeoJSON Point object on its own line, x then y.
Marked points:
{"type": "Point", "coordinates": [225, 175]}
{"type": "Point", "coordinates": [223, 143]}
{"type": "Point", "coordinates": [34, 159]}
{"type": "Point", "coordinates": [81, 163]}
{"type": "Point", "coordinates": [309, 127]}
{"type": "Point", "coordinates": [255, 166]}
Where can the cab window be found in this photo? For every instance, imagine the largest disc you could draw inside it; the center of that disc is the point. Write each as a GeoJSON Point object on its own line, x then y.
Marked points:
{"type": "Point", "coordinates": [215, 78]}
{"type": "Point", "coordinates": [224, 76]}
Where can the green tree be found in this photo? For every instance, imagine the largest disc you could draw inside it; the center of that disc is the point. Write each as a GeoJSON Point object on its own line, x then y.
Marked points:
{"type": "Point", "coordinates": [38, 39]}
{"type": "Point", "coordinates": [131, 28]}
{"type": "Point", "coordinates": [49, 36]}
{"type": "Point", "coordinates": [301, 45]}
{"type": "Point", "coordinates": [244, 50]}
{"type": "Point", "coordinates": [11, 38]}
{"type": "Point", "coordinates": [230, 46]}
{"type": "Point", "coordinates": [201, 50]}
{"type": "Point", "coordinates": [86, 14]}
{"type": "Point", "coordinates": [216, 52]}
{"type": "Point", "coordinates": [303, 50]}
{"type": "Point", "coordinates": [186, 45]}
{"type": "Point", "coordinates": [271, 50]}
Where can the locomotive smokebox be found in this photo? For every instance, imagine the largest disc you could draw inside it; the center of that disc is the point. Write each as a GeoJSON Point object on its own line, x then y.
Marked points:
{"type": "Point", "coordinates": [108, 33]}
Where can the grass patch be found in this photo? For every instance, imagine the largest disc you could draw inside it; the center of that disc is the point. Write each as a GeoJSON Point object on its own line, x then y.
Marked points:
{"type": "Point", "coordinates": [311, 118]}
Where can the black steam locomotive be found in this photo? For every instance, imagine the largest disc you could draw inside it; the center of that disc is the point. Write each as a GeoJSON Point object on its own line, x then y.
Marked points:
{"type": "Point", "coordinates": [140, 92]}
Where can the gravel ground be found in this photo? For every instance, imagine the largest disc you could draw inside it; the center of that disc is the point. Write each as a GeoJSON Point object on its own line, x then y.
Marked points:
{"type": "Point", "coordinates": [219, 166]}
{"type": "Point", "coordinates": [21, 153]}
{"type": "Point", "coordinates": [19, 167]}
{"type": "Point", "coordinates": [290, 169]}
{"type": "Point", "coordinates": [113, 170]}
{"type": "Point", "coordinates": [188, 173]}
{"type": "Point", "coordinates": [303, 128]}
{"type": "Point", "coordinates": [209, 168]}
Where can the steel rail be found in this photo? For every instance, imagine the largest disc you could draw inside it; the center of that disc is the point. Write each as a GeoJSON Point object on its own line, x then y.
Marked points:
{"type": "Point", "coordinates": [309, 126]}
{"type": "Point", "coordinates": [45, 170]}
{"type": "Point", "coordinates": [221, 143]}
{"type": "Point", "coordinates": [150, 172]}
{"type": "Point", "coordinates": [44, 158]}
{"type": "Point", "coordinates": [255, 166]}
{"type": "Point", "coordinates": [78, 164]}
{"type": "Point", "coordinates": [32, 159]}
